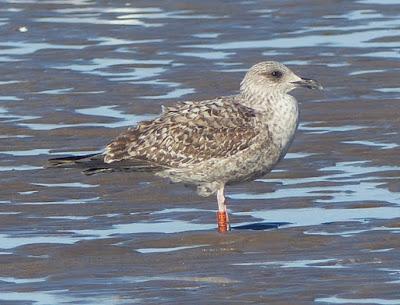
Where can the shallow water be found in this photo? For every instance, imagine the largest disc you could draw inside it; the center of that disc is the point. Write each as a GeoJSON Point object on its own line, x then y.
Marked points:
{"type": "Point", "coordinates": [322, 228]}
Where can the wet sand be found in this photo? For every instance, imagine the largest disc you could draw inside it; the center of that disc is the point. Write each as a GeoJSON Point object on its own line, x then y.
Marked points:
{"type": "Point", "coordinates": [322, 228]}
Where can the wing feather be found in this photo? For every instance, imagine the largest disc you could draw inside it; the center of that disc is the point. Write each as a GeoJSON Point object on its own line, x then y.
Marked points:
{"type": "Point", "coordinates": [187, 133]}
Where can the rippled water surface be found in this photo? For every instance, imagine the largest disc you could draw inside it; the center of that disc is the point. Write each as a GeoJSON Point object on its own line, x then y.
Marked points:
{"type": "Point", "coordinates": [322, 228]}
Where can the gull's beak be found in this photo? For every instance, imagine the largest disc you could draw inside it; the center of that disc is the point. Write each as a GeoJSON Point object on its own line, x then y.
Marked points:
{"type": "Point", "coordinates": [308, 83]}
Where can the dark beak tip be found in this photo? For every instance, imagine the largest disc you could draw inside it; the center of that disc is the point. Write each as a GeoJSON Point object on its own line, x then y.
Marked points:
{"type": "Point", "coordinates": [309, 83]}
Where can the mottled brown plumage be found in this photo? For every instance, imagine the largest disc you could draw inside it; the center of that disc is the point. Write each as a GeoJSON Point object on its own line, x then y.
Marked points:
{"type": "Point", "coordinates": [211, 143]}
{"type": "Point", "coordinates": [188, 133]}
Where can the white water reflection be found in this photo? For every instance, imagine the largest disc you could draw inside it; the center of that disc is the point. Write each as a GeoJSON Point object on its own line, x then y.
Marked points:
{"type": "Point", "coordinates": [381, 2]}
{"type": "Point", "coordinates": [173, 94]}
{"type": "Point", "coordinates": [166, 226]}
{"type": "Point", "coordinates": [21, 167]}
{"type": "Point", "coordinates": [134, 13]}
{"type": "Point", "coordinates": [366, 72]}
{"type": "Point", "coordinates": [348, 192]}
{"type": "Point", "coordinates": [109, 111]}
{"type": "Point", "coordinates": [362, 36]}
{"type": "Point", "coordinates": [9, 82]}
{"type": "Point", "coordinates": [99, 66]}
{"type": "Point", "coordinates": [388, 90]}
{"type": "Point", "coordinates": [43, 151]}
{"type": "Point", "coordinates": [317, 216]}
{"type": "Point", "coordinates": [9, 136]}
{"type": "Point", "coordinates": [64, 296]}
{"type": "Point", "coordinates": [96, 20]}
{"type": "Point", "coordinates": [392, 272]}
{"type": "Point", "coordinates": [380, 250]}
{"type": "Point", "coordinates": [113, 10]}
{"type": "Point", "coordinates": [350, 40]}
{"type": "Point", "coordinates": [69, 217]}
{"type": "Point", "coordinates": [395, 53]}
{"type": "Point", "coordinates": [7, 117]}
{"type": "Point", "coordinates": [339, 300]}
{"type": "Point", "coordinates": [26, 193]}
{"type": "Point", "coordinates": [131, 16]}
{"type": "Point", "coordinates": [355, 182]}
{"type": "Point", "coordinates": [349, 233]}
{"type": "Point", "coordinates": [113, 41]}
{"type": "Point", "coordinates": [67, 185]}
{"type": "Point", "coordinates": [29, 152]}
{"type": "Point", "coordinates": [294, 217]}
{"type": "Point", "coordinates": [356, 15]}
{"type": "Point", "coordinates": [206, 35]}
{"type": "Point", "coordinates": [64, 91]}
{"type": "Point", "coordinates": [167, 250]}
{"type": "Point", "coordinates": [9, 98]}
{"type": "Point", "coordinates": [311, 263]}
{"type": "Point", "coordinates": [26, 48]}
{"type": "Point", "coordinates": [182, 14]}
{"type": "Point", "coordinates": [10, 241]}
{"type": "Point", "coordinates": [197, 279]}
{"type": "Point", "coordinates": [124, 119]}
{"type": "Point", "coordinates": [71, 2]}
{"type": "Point", "coordinates": [207, 55]}
{"type": "Point", "coordinates": [21, 280]}
{"type": "Point", "coordinates": [297, 155]}
{"type": "Point", "coordinates": [66, 201]}
{"type": "Point", "coordinates": [180, 210]}
{"type": "Point", "coordinates": [309, 127]}
{"type": "Point", "coordinates": [373, 144]}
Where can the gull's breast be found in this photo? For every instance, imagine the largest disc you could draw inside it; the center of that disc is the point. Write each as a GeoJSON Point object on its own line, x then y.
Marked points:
{"type": "Point", "coordinates": [283, 123]}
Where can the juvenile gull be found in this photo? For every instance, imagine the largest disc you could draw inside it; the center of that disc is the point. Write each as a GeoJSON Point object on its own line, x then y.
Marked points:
{"type": "Point", "coordinates": [211, 143]}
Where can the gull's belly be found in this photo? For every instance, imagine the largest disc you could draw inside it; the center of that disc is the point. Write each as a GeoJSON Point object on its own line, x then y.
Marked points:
{"type": "Point", "coordinates": [252, 163]}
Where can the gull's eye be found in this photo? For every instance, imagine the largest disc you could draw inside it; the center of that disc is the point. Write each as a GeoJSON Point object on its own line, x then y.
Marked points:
{"type": "Point", "coordinates": [276, 74]}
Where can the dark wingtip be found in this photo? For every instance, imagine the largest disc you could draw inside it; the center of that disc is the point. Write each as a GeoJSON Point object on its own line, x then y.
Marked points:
{"type": "Point", "coordinates": [94, 171]}
{"type": "Point", "coordinates": [67, 161]}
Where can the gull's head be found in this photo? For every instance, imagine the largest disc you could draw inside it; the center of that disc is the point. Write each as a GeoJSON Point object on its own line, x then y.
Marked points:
{"type": "Point", "coordinates": [273, 77]}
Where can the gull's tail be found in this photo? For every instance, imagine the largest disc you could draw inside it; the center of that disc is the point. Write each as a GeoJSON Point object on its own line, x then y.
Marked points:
{"type": "Point", "coordinates": [86, 162]}
{"type": "Point", "coordinates": [94, 164]}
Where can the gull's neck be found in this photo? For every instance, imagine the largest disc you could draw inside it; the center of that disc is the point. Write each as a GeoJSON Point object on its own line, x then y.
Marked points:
{"type": "Point", "coordinates": [278, 109]}
{"type": "Point", "coordinates": [266, 100]}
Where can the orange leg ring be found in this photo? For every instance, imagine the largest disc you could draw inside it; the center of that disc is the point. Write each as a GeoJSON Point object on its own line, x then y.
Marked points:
{"type": "Point", "coordinates": [223, 224]}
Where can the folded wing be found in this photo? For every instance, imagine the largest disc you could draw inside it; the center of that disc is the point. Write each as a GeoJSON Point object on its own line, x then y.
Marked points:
{"type": "Point", "coordinates": [186, 134]}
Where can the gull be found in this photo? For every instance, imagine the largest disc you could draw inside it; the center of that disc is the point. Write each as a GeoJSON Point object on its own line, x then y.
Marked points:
{"type": "Point", "coordinates": [210, 143]}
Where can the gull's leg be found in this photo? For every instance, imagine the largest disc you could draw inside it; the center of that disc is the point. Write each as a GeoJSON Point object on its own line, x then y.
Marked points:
{"type": "Point", "coordinates": [222, 214]}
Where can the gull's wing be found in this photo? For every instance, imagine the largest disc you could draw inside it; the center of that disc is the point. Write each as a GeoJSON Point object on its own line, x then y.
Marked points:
{"type": "Point", "coordinates": [187, 133]}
